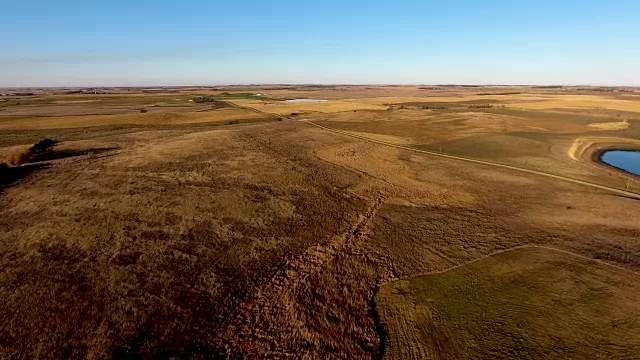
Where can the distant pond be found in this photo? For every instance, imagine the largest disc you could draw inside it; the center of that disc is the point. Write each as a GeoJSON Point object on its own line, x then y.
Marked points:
{"type": "Point", "coordinates": [627, 160]}
{"type": "Point", "coordinates": [304, 100]}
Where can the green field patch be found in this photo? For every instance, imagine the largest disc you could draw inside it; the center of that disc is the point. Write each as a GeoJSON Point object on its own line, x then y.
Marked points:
{"type": "Point", "coordinates": [527, 303]}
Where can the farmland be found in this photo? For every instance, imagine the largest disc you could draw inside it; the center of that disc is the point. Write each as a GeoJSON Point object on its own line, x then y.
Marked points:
{"type": "Point", "coordinates": [393, 221]}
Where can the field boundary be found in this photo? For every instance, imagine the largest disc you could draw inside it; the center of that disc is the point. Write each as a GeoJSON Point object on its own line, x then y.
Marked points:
{"type": "Point", "coordinates": [382, 329]}
{"type": "Point", "coordinates": [528, 246]}
{"type": "Point", "coordinates": [620, 192]}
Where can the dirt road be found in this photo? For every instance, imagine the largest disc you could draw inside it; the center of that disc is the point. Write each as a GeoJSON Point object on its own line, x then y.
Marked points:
{"type": "Point", "coordinates": [483, 162]}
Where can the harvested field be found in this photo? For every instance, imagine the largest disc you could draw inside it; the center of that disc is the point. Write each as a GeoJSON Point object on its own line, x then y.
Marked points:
{"type": "Point", "coordinates": [523, 101]}
{"type": "Point", "coordinates": [578, 102]}
{"type": "Point", "coordinates": [284, 108]}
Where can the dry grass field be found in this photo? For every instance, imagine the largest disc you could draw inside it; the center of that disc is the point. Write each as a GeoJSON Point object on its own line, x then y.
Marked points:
{"type": "Point", "coordinates": [284, 108]}
{"type": "Point", "coordinates": [230, 229]}
{"type": "Point", "coordinates": [163, 118]}
{"type": "Point", "coordinates": [523, 101]}
{"type": "Point", "coordinates": [496, 132]}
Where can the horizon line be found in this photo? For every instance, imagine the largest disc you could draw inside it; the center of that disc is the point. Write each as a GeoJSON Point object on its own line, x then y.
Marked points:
{"type": "Point", "coordinates": [315, 84]}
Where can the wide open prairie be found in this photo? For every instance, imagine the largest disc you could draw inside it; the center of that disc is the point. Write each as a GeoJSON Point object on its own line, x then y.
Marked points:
{"type": "Point", "coordinates": [265, 236]}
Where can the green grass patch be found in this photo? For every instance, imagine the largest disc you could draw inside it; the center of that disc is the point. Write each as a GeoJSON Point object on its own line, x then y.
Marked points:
{"type": "Point", "coordinates": [528, 303]}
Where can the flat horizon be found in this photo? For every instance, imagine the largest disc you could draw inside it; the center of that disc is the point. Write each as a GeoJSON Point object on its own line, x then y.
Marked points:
{"type": "Point", "coordinates": [315, 84]}
{"type": "Point", "coordinates": [71, 43]}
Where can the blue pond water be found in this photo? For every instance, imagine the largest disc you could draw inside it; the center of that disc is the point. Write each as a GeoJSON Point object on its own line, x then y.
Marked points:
{"type": "Point", "coordinates": [626, 160]}
{"type": "Point", "coordinates": [304, 100]}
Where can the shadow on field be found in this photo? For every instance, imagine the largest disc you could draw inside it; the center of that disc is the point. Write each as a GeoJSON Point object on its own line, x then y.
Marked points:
{"type": "Point", "coordinates": [9, 175]}
{"type": "Point", "coordinates": [62, 154]}
{"type": "Point", "coordinates": [627, 197]}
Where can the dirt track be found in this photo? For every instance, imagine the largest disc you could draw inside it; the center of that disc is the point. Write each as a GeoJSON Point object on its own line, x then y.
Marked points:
{"type": "Point", "coordinates": [483, 162]}
{"type": "Point", "coordinates": [269, 313]}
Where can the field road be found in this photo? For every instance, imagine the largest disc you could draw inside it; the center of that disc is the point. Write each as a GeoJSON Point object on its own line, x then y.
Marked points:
{"type": "Point", "coordinates": [483, 162]}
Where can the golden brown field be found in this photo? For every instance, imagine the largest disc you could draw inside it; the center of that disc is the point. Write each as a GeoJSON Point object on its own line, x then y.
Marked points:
{"type": "Point", "coordinates": [164, 228]}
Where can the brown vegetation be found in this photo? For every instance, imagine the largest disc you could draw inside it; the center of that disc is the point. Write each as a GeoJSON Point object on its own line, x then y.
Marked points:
{"type": "Point", "coordinates": [185, 235]}
{"type": "Point", "coordinates": [25, 155]}
{"type": "Point", "coordinates": [19, 157]}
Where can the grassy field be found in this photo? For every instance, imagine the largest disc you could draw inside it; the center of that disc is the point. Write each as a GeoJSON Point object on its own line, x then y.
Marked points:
{"type": "Point", "coordinates": [115, 99]}
{"type": "Point", "coordinates": [577, 102]}
{"type": "Point", "coordinates": [524, 101]}
{"type": "Point", "coordinates": [165, 118]}
{"type": "Point", "coordinates": [529, 303]}
{"type": "Point", "coordinates": [537, 140]}
{"type": "Point", "coordinates": [283, 108]}
{"type": "Point", "coordinates": [239, 96]}
{"type": "Point", "coordinates": [234, 229]}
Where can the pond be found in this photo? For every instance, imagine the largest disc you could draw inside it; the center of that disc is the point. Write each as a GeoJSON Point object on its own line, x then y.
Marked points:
{"type": "Point", "coordinates": [304, 100]}
{"type": "Point", "coordinates": [627, 160]}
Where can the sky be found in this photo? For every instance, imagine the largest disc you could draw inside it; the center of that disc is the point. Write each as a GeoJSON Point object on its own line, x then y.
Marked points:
{"type": "Point", "coordinates": [148, 43]}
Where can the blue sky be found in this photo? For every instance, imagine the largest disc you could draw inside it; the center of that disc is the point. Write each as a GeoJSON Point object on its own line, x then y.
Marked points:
{"type": "Point", "coordinates": [110, 43]}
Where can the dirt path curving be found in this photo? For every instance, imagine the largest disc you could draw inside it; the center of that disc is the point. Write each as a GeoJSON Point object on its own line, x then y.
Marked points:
{"type": "Point", "coordinates": [483, 162]}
